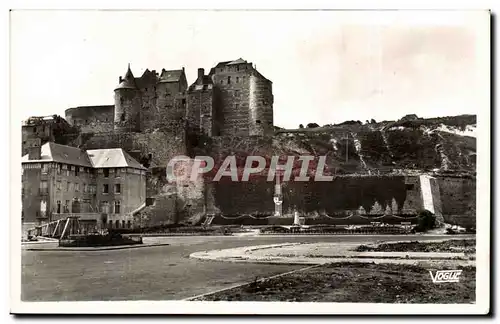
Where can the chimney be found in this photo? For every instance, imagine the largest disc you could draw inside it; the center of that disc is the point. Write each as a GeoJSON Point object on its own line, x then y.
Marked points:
{"type": "Point", "coordinates": [34, 153]}
{"type": "Point", "coordinates": [35, 150]}
{"type": "Point", "coordinates": [201, 73]}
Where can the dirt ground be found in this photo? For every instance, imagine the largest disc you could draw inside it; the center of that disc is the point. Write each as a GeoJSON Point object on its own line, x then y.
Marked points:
{"type": "Point", "coordinates": [466, 246]}
{"type": "Point", "coordinates": [358, 282]}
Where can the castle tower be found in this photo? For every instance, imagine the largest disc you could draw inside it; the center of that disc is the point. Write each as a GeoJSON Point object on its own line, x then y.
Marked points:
{"type": "Point", "coordinates": [243, 99]}
{"type": "Point", "coordinates": [127, 116]}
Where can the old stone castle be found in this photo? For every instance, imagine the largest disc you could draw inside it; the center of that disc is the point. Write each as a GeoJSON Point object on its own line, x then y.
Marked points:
{"type": "Point", "coordinates": [158, 116]}
{"type": "Point", "coordinates": [233, 99]}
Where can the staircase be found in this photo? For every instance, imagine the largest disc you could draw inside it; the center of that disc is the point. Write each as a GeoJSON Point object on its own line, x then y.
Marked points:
{"type": "Point", "coordinates": [208, 220]}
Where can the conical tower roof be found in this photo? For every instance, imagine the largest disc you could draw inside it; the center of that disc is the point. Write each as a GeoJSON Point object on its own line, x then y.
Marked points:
{"type": "Point", "coordinates": [128, 82]}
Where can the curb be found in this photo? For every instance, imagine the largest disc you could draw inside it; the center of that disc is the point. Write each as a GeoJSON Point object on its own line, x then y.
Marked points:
{"type": "Point", "coordinates": [86, 249]}
{"type": "Point", "coordinates": [241, 258]}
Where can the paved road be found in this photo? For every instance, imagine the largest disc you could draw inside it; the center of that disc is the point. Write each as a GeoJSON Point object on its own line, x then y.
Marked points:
{"type": "Point", "coordinates": [155, 273]}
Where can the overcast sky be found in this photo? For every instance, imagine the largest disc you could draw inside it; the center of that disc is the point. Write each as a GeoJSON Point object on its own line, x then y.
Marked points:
{"type": "Point", "coordinates": [326, 66]}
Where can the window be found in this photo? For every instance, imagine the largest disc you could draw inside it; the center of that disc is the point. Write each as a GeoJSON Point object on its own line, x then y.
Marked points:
{"type": "Point", "coordinates": [85, 188]}
{"type": "Point", "coordinates": [117, 223]}
{"type": "Point", "coordinates": [77, 187]}
{"type": "Point", "coordinates": [104, 207]}
{"type": "Point", "coordinates": [106, 172]}
{"type": "Point", "coordinates": [105, 188]}
{"type": "Point", "coordinates": [66, 206]}
{"type": "Point", "coordinates": [118, 188]}
{"type": "Point", "coordinates": [237, 79]}
{"type": "Point", "coordinates": [221, 81]}
{"type": "Point", "coordinates": [58, 206]}
{"type": "Point", "coordinates": [77, 170]}
{"type": "Point", "coordinates": [59, 169]}
{"type": "Point", "coordinates": [45, 168]}
{"type": "Point", "coordinates": [110, 224]}
{"type": "Point", "coordinates": [44, 189]}
{"type": "Point", "coordinates": [129, 224]}
{"type": "Point", "coordinates": [34, 129]}
{"type": "Point", "coordinates": [236, 106]}
{"type": "Point", "coordinates": [123, 224]}
{"type": "Point", "coordinates": [237, 92]}
{"type": "Point", "coordinates": [58, 185]}
{"type": "Point", "coordinates": [229, 80]}
{"type": "Point", "coordinates": [121, 101]}
{"type": "Point", "coordinates": [117, 172]}
{"type": "Point", "coordinates": [117, 207]}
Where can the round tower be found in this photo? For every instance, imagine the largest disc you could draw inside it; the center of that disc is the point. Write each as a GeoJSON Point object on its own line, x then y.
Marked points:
{"type": "Point", "coordinates": [260, 105]}
{"type": "Point", "coordinates": [127, 104]}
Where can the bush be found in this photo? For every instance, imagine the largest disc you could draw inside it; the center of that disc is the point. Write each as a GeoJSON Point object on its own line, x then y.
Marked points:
{"type": "Point", "coordinates": [426, 221]}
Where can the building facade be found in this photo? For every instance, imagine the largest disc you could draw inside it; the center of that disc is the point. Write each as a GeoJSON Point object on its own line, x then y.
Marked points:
{"type": "Point", "coordinates": [102, 187]}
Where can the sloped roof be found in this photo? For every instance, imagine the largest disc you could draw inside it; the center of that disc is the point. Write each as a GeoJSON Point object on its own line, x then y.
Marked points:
{"type": "Point", "coordinates": [113, 158]}
{"type": "Point", "coordinates": [128, 82]}
{"type": "Point", "coordinates": [170, 76]}
{"type": "Point", "coordinates": [222, 63]}
{"type": "Point", "coordinates": [238, 61]}
{"type": "Point", "coordinates": [103, 158]}
{"type": "Point", "coordinates": [207, 80]}
{"type": "Point", "coordinates": [52, 152]}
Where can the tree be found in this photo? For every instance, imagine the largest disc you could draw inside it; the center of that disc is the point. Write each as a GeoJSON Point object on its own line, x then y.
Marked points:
{"type": "Point", "coordinates": [426, 221]}
{"type": "Point", "coordinates": [312, 125]}
{"type": "Point", "coordinates": [373, 121]}
{"type": "Point", "coordinates": [301, 126]}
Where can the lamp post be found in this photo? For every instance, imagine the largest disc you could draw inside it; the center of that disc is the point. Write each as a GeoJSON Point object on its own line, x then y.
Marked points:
{"type": "Point", "coordinates": [278, 196]}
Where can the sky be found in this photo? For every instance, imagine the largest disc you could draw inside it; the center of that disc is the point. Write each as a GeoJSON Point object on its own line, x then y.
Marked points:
{"type": "Point", "coordinates": [326, 66]}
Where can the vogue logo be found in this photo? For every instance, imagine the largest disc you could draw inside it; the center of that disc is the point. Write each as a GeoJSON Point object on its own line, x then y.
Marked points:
{"type": "Point", "coordinates": [446, 276]}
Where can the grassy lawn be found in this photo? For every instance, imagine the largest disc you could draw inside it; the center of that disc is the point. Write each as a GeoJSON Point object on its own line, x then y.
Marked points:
{"type": "Point", "coordinates": [465, 245]}
{"type": "Point", "coordinates": [358, 282]}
